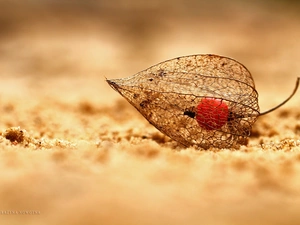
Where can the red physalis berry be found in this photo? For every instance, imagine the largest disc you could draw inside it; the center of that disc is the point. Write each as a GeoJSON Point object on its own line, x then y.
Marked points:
{"type": "Point", "coordinates": [212, 114]}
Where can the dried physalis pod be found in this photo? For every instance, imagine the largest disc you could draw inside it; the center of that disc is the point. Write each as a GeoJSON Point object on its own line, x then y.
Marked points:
{"type": "Point", "coordinates": [202, 100]}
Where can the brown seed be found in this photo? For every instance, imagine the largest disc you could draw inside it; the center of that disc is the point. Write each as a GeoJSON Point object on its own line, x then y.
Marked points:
{"type": "Point", "coordinates": [170, 94]}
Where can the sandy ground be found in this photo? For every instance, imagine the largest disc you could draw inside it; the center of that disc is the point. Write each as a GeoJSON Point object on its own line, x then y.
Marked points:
{"type": "Point", "coordinates": [73, 151]}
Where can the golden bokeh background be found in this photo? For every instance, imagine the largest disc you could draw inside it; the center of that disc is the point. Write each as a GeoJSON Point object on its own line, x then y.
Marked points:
{"type": "Point", "coordinates": [84, 155]}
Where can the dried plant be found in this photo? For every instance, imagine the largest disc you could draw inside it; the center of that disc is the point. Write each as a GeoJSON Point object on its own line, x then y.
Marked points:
{"type": "Point", "coordinates": [202, 100]}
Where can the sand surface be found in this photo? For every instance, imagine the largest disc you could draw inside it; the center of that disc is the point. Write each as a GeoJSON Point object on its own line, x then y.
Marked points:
{"type": "Point", "coordinates": [73, 151]}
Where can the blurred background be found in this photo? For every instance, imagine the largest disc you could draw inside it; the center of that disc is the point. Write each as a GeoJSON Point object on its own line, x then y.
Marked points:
{"type": "Point", "coordinates": [90, 160]}
{"type": "Point", "coordinates": [66, 48]}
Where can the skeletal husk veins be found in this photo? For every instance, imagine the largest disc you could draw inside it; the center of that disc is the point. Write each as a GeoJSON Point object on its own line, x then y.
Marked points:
{"type": "Point", "coordinates": [201, 100]}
